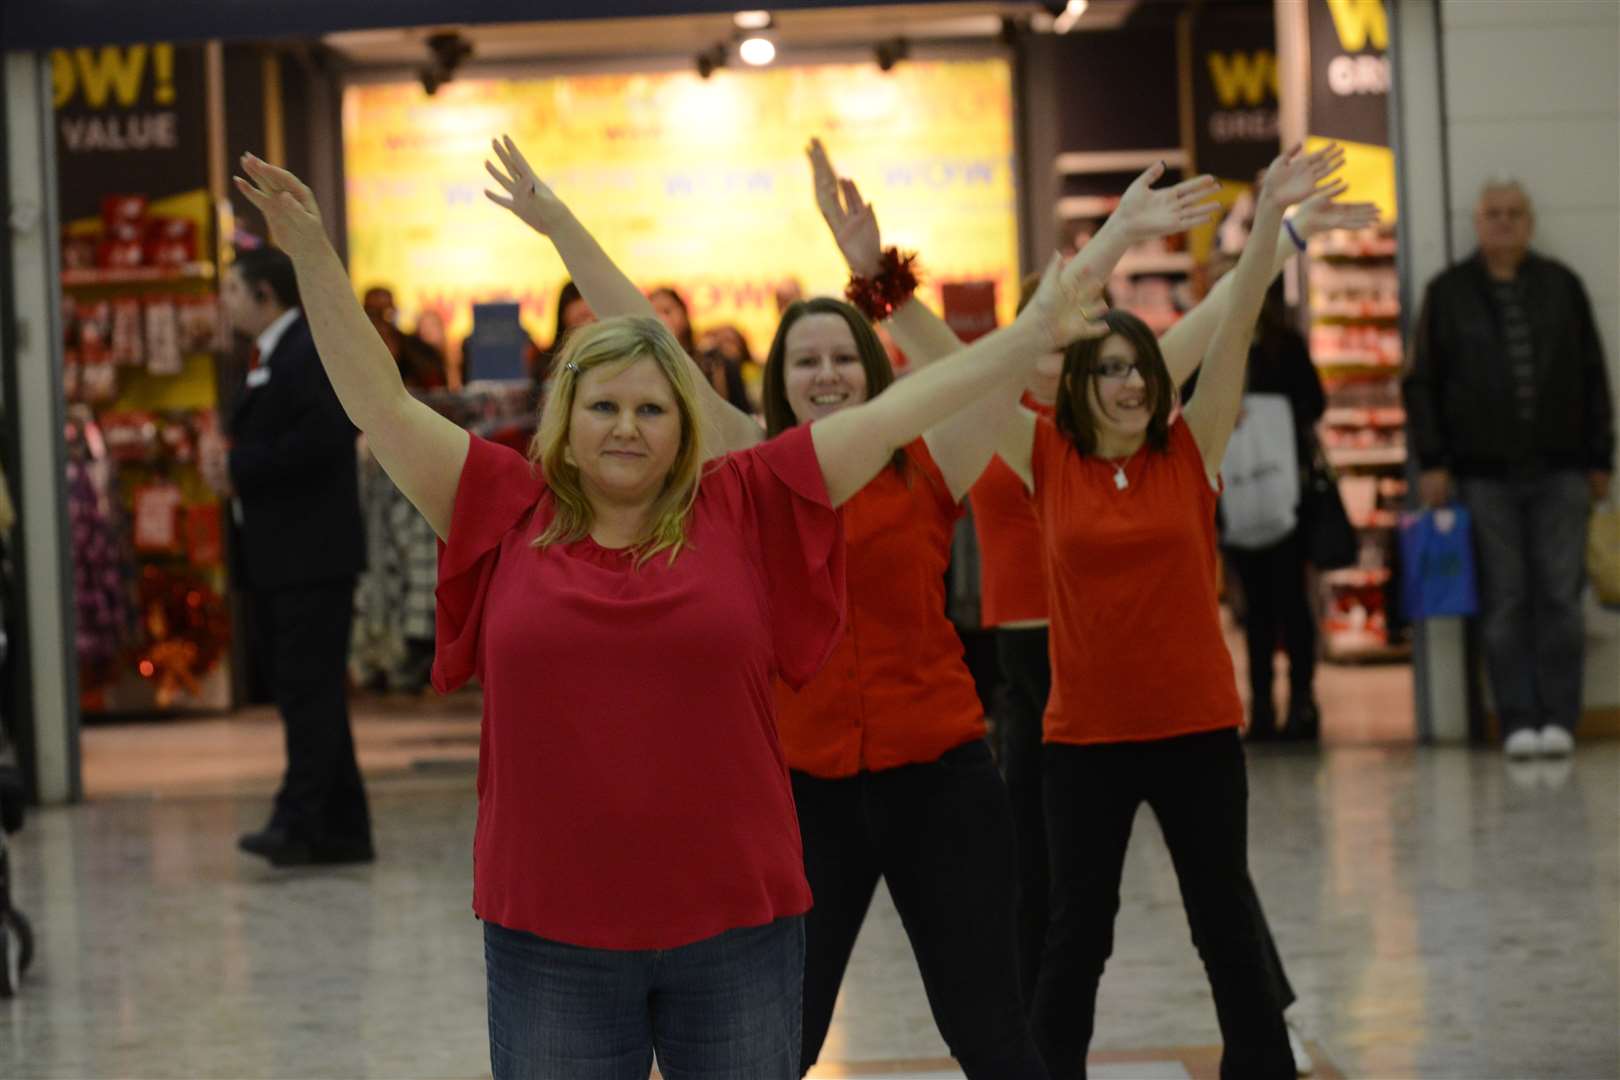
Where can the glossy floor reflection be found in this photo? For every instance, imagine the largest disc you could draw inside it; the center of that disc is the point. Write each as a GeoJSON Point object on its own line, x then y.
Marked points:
{"type": "Point", "coordinates": [1439, 913]}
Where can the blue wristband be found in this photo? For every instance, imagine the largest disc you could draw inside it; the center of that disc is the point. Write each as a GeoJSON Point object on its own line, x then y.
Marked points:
{"type": "Point", "coordinates": [1289, 225]}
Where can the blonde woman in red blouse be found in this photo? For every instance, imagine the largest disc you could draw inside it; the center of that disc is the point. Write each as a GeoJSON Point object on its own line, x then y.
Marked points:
{"type": "Point", "coordinates": [637, 863]}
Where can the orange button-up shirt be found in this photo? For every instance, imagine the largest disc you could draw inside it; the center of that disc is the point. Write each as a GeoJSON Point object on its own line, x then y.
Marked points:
{"type": "Point", "coordinates": [895, 691]}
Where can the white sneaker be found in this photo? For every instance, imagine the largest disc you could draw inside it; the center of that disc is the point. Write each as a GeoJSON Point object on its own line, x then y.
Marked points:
{"type": "Point", "coordinates": [1522, 744]}
{"type": "Point", "coordinates": [1302, 1057]}
{"type": "Point", "coordinates": [1557, 741]}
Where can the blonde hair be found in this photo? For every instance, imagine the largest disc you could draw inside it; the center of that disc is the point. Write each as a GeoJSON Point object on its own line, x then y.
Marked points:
{"type": "Point", "coordinates": [623, 341]}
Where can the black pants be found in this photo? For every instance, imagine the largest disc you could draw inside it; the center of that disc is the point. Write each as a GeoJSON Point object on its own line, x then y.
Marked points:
{"type": "Point", "coordinates": [1198, 790]}
{"type": "Point", "coordinates": [940, 835]}
{"type": "Point", "coordinates": [302, 638]}
{"type": "Point", "coordinates": [1276, 608]}
{"type": "Point", "coordinates": [1028, 673]}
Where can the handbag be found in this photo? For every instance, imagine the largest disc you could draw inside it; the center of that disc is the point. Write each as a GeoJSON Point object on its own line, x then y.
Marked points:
{"type": "Point", "coordinates": [1329, 538]}
{"type": "Point", "coordinates": [1603, 554]}
{"type": "Point", "coordinates": [1437, 564]}
{"type": "Point", "coordinates": [1260, 474]}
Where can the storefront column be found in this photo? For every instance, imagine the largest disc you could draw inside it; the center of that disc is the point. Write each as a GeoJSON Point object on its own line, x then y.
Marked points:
{"type": "Point", "coordinates": [33, 403]}
{"type": "Point", "coordinates": [1422, 170]}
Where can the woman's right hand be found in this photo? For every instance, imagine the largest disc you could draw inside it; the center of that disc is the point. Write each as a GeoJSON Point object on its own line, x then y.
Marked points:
{"type": "Point", "coordinates": [527, 196]}
{"type": "Point", "coordinates": [1146, 212]}
{"type": "Point", "coordinates": [850, 218]}
{"type": "Point", "coordinates": [1067, 307]}
{"type": "Point", "coordinates": [1323, 212]}
{"type": "Point", "coordinates": [288, 206]}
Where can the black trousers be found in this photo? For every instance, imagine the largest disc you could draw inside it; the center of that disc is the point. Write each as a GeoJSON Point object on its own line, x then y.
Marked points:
{"type": "Point", "coordinates": [1028, 673]}
{"type": "Point", "coordinates": [1198, 790]}
{"type": "Point", "coordinates": [940, 835]}
{"type": "Point", "coordinates": [1276, 608]}
{"type": "Point", "coordinates": [301, 635]}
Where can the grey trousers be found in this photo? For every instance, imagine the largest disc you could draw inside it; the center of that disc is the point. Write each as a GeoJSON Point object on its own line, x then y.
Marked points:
{"type": "Point", "coordinates": [1530, 532]}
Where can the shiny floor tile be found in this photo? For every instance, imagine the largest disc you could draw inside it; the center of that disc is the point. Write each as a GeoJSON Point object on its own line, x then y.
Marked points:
{"type": "Point", "coordinates": [1440, 913]}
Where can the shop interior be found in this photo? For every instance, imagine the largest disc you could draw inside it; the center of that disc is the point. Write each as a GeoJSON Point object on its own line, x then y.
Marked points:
{"type": "Point", "coordinates": [984, 134]}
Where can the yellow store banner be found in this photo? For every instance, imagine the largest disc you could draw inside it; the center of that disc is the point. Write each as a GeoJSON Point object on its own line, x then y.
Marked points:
{"type": "Point", "coordinates": [700, 184]}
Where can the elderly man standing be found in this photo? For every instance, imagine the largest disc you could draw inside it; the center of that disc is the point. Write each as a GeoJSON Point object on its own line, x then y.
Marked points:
{"type": "Point", "coordinates": [1508, 405]}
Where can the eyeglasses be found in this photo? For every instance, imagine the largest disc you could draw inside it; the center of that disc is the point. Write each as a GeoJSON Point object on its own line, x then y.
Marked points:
{"type": "Point", "coordinates": [1117, 370]}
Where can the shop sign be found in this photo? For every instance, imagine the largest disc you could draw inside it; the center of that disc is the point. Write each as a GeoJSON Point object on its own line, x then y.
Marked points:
{"type": "Point", "coordinates": [1235, 93]}
{"type": "Point", "coordinates": [1350, 70]}
{"type": "Point", "coordinates": [130, 119]}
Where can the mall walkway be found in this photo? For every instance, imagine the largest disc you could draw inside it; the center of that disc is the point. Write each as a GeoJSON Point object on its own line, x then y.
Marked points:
{"type": "Point", "coordinates": [1440, 915]}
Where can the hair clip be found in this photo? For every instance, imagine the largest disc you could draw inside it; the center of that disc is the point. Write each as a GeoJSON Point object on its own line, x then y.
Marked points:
{"type": "Point", "coordinates": [572, 366]}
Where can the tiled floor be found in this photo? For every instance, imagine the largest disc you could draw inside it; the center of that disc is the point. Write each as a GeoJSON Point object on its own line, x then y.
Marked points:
{"type": "Point", "coordinates": [1439, 913]}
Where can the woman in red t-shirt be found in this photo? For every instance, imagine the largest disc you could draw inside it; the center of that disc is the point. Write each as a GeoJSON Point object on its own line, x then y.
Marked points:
{"type": "Point", "coordinates": [636, 863]}
{"type": "Point", "coordinates": [1144, 703]}
{"type": "Point", "coordinates": [891, 772]}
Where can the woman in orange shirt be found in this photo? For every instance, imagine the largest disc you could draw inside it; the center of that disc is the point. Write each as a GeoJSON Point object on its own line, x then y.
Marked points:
{"type": "Point", "coordinates": [1144, 703]}
{"type": "Point", "coordinates": [891, 773]}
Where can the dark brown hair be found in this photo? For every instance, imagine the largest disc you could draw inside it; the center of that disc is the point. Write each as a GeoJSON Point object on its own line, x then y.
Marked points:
{"type": "Point", "coordinates": [1074, 418]}
{"type": "Point", "coordinates": [874, 360]}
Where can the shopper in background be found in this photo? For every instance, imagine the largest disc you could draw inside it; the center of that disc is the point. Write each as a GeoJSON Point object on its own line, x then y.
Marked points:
{"type": "Point", "coordinates": [1276, 594]}
{"type": "Point", "coordinates": [725, 345]}
{"type": "Point", "coordinates": [726, 378]}
{"type": "Point", "coordinates": [290, 468]}
{"type": "Point", "coordinates": [1509, 412]}
{"type": "Point", "coordinates": [420, 364]}
{"type": "Point", "coordinates": [572, 313]}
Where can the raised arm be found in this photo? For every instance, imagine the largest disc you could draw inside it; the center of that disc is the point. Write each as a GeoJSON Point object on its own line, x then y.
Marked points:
{"type": "Point", "coordinates": [1213, 411]}
{"type": "Point", "coordinates": [603, 285]}
{"type": "Point", "coordinates": [1184, 343]}
{"type": "Point", "coordinates": [964, 444]}
{"type": "Point", "coordinates": [854, 444]}
{"type": "Point", "coordinates": [420, 450]}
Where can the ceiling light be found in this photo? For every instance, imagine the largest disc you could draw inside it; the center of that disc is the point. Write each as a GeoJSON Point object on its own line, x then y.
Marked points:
{"type": "Point", "coordinates": [752, 20]}
{"type": "Point", "coordinates": [756, 50]}
{"type": "Point", "coordinates": [1071, 15]}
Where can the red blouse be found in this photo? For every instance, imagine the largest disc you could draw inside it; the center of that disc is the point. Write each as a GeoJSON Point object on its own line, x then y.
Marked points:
{"type": "Point", "coordinates": [1136, 644]}
{"type": "Point", "coordinates": [895, 691]}
{"type": "Point", "coordinates": [632, 793]}
{"type": "Point", "coordinates": [1012, 576]}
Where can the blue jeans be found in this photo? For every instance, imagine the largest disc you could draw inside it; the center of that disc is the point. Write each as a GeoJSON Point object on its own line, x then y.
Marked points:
{"type": "Point", "coordinates": [1530, 531]}
{"type": "Point", "coordinates": [725, 1008]}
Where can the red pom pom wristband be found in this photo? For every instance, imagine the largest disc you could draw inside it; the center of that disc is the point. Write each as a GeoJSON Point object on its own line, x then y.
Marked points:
{"type": "Point", "coordinates": [880, 295]}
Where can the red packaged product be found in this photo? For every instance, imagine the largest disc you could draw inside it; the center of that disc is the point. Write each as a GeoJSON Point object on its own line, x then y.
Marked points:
{"type": "Point", "coordinates": [170, 241]}
{"type": "Point", "coordinates": [123, 209]}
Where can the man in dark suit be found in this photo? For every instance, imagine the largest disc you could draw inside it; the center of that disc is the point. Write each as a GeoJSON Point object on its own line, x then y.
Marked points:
{"type": "Point", "coordinates": [290, 470]}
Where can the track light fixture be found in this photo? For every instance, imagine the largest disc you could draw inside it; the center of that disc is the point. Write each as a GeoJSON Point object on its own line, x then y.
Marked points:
{"type": "Point", "coordinates": [890, 52]}
{"type": "Point", "coordinates": [710, 60]}
{"type": "Point", "coordinates": [446, 52]}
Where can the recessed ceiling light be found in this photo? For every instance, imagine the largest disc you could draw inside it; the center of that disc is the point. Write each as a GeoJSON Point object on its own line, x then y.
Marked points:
{"type": "Point", "coordinates": [757, 51]}
{"type": "Point", "coordinates": [752, 20]}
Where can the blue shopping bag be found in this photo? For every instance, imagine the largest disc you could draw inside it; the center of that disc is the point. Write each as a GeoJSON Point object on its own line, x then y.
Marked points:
{"type": "Point", "coordinates": [1437, 564]}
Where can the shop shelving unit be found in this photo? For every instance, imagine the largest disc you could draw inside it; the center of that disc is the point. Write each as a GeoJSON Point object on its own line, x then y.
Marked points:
{"type": "Point", "coordinates": [1355, 340]}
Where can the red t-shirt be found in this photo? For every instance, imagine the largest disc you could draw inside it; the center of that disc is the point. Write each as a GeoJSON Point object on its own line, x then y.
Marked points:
{"type": "Point", "coordinates": [1136, 644]}
{"type": "Point", "coordinates": [895, 691]}
{"type": "Point", "coordinates": [632, 793]}
{"type": "Point", "coordinates": [1012, 576]}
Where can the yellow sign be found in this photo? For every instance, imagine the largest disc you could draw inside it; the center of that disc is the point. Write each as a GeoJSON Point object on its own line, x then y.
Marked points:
{"type": "Point", "coordinates": [1369, 170]}
{"type": "Point", "coordinates": [112, 72]}
{"type": "Point", "coordinates": [1358, 21]}
{"type": "Point", "coordinates": [700, 184]}
{"type": "Point", "coordinates": [1244, 76]}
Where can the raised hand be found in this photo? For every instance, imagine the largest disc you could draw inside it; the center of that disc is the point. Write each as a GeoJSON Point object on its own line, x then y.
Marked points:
{"type": "Point", "coordinates": [288, 206]}
{"type": "Point", "coordinates": [1323, 213]}
{"type": "Point", "coordinates": [527, 196]}
{"type": "Point", "coordinates": [1068, 305]}
{"type": "Point", "coordinates": [854, 226]}
{"type": "Point", "coordinates": [1147, 213]}
{"type": "Point", "coordinates": [1295, 176]}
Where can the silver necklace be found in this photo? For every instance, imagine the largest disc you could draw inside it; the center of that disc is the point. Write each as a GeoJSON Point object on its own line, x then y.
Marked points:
{"type": "Point", "coordinates": [1121, 481]}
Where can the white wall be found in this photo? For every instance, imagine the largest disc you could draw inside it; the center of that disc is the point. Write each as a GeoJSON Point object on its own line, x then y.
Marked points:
{"type": "Point", "coordinates": [1532, 89]}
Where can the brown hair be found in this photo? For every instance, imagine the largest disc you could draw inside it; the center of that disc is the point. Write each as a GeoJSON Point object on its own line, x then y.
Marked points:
{"type": "Point", "coordinates": [874, 360]}
{"type": "Point", "coordinates": [1074, 415]}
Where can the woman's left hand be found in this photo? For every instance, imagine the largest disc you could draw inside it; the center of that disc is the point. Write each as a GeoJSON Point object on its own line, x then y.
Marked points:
{"type": "Point", "coordinates": [1322, 213]}
{"type": "Point", "coordinates": [1296, 176]}
{"type": "Point", "coordinates": [1147, 212]}
{"type": "Point", "coordinates": [527, 196]}
{"type": "Point", "coordinates": [852, 221]}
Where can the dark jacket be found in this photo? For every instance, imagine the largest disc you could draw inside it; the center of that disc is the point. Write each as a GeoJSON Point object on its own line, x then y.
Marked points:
{"type": "Point", "coordinates": [293, 468]}
{"type": "Point", "coordinates": [1459, 386]}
